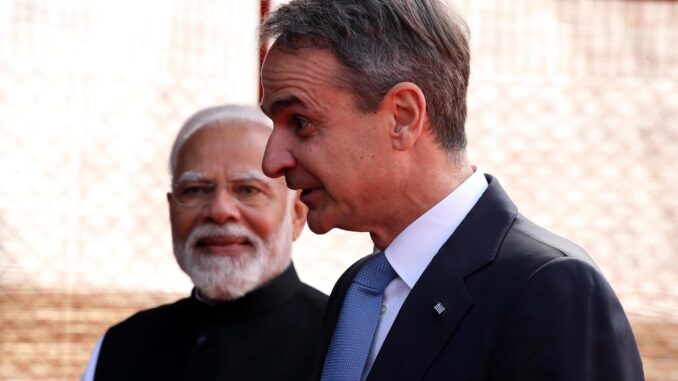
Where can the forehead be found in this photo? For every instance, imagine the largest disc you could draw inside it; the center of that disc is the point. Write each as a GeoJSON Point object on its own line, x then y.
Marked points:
{"type": "Point", "coordinates": [298, 76]}
{"type": "Point", "coordinates": [237, 146]}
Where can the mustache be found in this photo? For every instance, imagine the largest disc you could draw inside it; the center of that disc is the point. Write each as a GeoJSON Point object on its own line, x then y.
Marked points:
{"type": "Point", "coordinates": [221, 231]}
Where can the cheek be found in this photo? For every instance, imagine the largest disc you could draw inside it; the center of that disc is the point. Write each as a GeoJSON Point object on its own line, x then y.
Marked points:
{"type": "Point", "coordinates": [263, 222]}
{"type": "Point", "coordinates": [182, 224]}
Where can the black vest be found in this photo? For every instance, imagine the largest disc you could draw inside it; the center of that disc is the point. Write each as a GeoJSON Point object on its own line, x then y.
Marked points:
{"type": "Point", "coordinates": [269, 334]}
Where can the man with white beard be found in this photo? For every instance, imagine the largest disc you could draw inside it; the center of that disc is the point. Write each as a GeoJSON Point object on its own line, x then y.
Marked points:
{"type": "Point", "coordinates": [249, 316]}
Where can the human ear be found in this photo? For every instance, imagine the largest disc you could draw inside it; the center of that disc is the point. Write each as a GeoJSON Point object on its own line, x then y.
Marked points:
{"type": "Point", "coordinates": [406, 104]}
{"type": "Point", "coordinates": [298, 211]}
{"type": "Point", "coordinates": [170, 204]}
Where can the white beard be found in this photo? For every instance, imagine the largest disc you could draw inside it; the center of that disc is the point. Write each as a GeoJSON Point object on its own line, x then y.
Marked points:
{"type": "Point", "coordinates": [225, 277]}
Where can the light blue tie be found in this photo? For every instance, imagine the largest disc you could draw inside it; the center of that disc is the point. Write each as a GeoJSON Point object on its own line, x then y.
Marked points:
{"type": "Point", "coordinates": [357, 322]}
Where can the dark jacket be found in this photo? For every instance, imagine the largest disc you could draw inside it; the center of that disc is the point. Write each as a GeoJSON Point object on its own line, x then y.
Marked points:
{"type": "Point", "coordinates": [521, 304]}
{"type": "Point", "coordinates": [269, 334]}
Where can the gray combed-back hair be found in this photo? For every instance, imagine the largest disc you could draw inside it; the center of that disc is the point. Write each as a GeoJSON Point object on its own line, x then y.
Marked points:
{"type": "Point", "coordinates": [382, 43]}
{"type": "Point", "coordinates": [224, 114]}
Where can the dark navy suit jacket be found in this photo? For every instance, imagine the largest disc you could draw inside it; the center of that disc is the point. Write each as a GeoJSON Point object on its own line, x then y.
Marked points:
{"type": "Point", "coordinates": [521, 304]}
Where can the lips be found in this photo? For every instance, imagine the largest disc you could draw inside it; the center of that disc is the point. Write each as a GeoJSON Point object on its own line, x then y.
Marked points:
{"type": "Point", "coordinates": [311, 197]}
{"type": "Point", "coordinates": [224, 245]}
{"type": "Point", "coordinates": [311, 188]}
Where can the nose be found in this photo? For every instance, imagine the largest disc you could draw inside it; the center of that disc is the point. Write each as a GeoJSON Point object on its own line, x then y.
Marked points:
{"type": "Point", "coordinates": [222, 208]}
{"type": "Point", "coordinates": [278, 157]}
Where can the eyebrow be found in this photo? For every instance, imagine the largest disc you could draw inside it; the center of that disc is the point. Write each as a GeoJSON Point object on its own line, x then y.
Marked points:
{"type": "Point", "coordinates": [280, 104]}
{"type": "Point", "coordinates": [241, 176]}
{"type": "Point", "coordinates": [191, 176]}
{"type": "Point", "coordinates": [252, 175]}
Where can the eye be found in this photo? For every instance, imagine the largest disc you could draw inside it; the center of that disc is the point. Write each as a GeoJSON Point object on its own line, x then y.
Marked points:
{"type": "Point", "coordinates": [247, 190]}
{"type": "Point", "coordinates": [302, 126]}
{"type": "Point", "coordinates": [196, 189]}
{"type": "Point", "coordinates": [193, 194]}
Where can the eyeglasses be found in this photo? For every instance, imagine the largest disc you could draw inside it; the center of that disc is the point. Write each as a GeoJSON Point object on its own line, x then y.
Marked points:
{"type": "Point", "coordinates": [198, 194]}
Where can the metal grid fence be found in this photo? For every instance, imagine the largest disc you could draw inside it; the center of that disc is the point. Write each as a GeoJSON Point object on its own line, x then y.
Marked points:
{"type": "Point", "coordinates": [572, 104]}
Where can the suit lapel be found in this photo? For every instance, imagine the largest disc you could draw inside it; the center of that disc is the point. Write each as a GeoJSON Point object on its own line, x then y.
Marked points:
{"type": "Point", "coordinates": [419, 333]}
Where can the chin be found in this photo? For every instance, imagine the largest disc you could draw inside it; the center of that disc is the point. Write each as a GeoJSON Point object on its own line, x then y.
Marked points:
{"type": "Point", "coordinates": [222, 277]}
{"type": "Point", "coordinates": [318, 226]}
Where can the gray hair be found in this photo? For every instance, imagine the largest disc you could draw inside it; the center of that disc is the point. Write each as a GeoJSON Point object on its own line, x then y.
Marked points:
{"type": "Point", "coordinates": [381, 43]}
{"type": "Point", "coordinates": [225, 114]}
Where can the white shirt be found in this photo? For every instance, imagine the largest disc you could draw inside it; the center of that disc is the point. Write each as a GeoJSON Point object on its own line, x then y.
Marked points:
{"type": "Point", "coordinates": [413, 249]}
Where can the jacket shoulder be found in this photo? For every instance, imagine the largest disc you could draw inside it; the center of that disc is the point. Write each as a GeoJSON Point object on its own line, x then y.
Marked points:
{"type": "Point", "coordinates": [313, 297]}
{"type": "Point", "coordinates": [561, 314]}
{"type": "Point", "coordinates": [529, 245]}
{"type": "Point", "coordinates": [151, 317]}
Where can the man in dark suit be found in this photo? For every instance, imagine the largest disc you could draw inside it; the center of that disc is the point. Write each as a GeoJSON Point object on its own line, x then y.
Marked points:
{"type": "Point", "coordinates": [249, 316]}
{"type": "Point", "coordinates": [368, 101]}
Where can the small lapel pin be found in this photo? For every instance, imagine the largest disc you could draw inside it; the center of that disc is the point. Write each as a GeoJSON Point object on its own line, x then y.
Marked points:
{"type": "Point", "coordinates": [439, 308]}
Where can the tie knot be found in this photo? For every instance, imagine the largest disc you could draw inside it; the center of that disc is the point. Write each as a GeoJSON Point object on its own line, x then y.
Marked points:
{"type": "Point", "coordinates": [376, 273]}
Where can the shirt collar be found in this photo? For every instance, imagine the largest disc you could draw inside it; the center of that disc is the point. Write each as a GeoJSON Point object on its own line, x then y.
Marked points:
{"type": "Point", "coordinates": [413, 249]}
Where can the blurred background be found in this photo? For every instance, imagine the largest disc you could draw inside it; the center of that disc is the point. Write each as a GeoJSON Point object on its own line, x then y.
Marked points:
{"type": "Point", "coordinates": [573, 105]}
